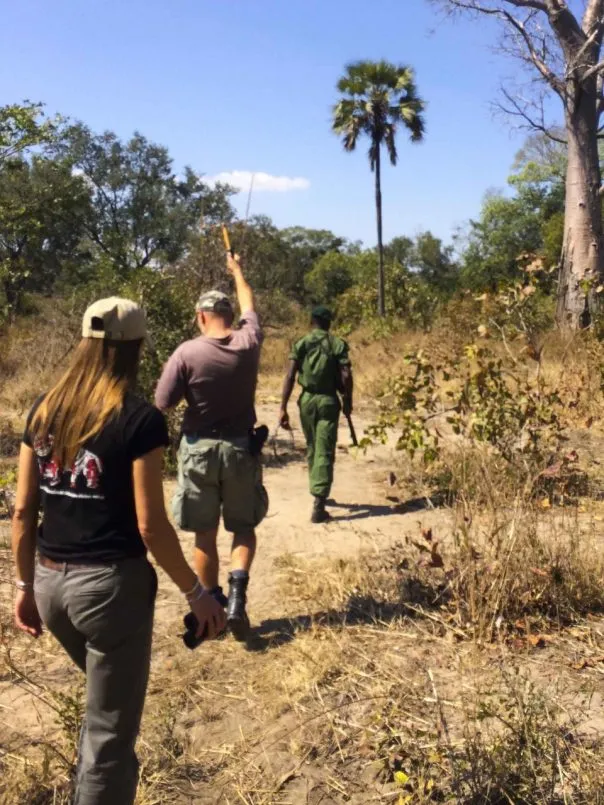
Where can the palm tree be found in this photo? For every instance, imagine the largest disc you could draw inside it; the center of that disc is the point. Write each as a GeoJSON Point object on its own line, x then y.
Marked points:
{"type": "Point", "coordinates": [378, 97]}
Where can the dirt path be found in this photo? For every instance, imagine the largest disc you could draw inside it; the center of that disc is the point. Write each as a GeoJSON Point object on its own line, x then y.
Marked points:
{"type": "Point", "coordinates": [362, 516]}
{"type": "Point", "coordinates": [363, 519]}
{"type": "Point", "coordinates": [226, 724]}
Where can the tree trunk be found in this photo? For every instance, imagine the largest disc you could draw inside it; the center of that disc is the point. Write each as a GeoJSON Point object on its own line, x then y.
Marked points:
{"type": "Point", "coordinates": [380, 244]}
{"type": "Point", "coordinates": [582, 264]}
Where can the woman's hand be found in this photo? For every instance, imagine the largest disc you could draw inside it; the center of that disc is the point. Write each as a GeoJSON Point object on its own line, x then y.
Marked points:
{"type": "Point", "coordinates": [209, 614]}
{"type": "Point", "coordinates": [27, 617]}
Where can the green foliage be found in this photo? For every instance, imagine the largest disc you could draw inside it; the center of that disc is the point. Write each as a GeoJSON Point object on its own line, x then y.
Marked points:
{"type": "Point", "coordinates": [378, 97]}
{"type": "Point", "coordinates": [44, 210]}
{"type": "Point", "coordinates": [481, 396]}
{"type": "Point", "coordinates": [507, 229]}
{"type": "Point", "coordinates": [23, 126]}
{"type": "Point", "coordinates": [143, 213]}
{"type": "Point", "coordinates": [433, 262]}
{"type": "Point", "coordinates": [331, 276]}
{"type": "Point", "coordinates": [552, 233]}
{"type": "Point", "coordinates": [483, 399]}
{"type": "Point", "coordinates": [513, 231]}
{"type": "Point", "coordinates": [85, 215]}
{"type": "Point", "coordinates": [411, 300]}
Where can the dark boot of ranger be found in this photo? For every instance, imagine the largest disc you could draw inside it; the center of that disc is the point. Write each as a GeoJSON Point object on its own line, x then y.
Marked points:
{"type": "Point", "coordinates": [238, 622]}
{"type": "Point", "coordinates": [319, 513]}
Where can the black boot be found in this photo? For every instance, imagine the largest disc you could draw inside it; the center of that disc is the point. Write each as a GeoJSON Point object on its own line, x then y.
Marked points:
{"type": "Point", "coordinates": [319, 513]}
{"type": "Point", "coordinates": [219, 595]}
{"type": "Point", "coordinates": [238, 622]}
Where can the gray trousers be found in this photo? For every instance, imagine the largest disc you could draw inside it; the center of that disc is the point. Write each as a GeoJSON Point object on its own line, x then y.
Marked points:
{"type": "Point", "coordinates": [103, 618]}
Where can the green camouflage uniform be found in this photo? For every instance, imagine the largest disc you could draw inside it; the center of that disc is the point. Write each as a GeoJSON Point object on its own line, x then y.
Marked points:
{"type": "Point", "coordinates": [319, 357]}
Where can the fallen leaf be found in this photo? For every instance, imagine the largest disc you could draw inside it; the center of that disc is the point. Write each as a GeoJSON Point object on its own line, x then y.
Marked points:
{"type": "Point", "coordinates": [436, 558]}
{"type": "Point", "coordinates": [518, 643]}
{"type": "Point", "coordinates": [401, 778]}
{"type": "Point", "coordinates": [546, 503]}
{"type": "Point", "coordinates": [538, 640]}
{"type": "Point", "coordinates": [588, 662]}
{"type": "Point", "coordinates": [539, 572]}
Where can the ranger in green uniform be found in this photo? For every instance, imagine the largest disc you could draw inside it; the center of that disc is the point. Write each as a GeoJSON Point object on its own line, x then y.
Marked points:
{"type": "Point", "coordinates": [323, 367]}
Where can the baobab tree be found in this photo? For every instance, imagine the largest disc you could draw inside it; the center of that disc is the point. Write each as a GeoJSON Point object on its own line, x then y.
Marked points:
{"type": "Point", "coordinates": [561, 43]}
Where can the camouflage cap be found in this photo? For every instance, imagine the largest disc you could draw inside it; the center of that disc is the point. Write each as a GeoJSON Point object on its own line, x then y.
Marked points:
{"type": "Point", "coordinates": [214, 302]}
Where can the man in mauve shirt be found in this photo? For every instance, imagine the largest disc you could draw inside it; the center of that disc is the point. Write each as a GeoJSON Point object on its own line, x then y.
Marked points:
{"type": "Point", "coordinates": [216, 374]}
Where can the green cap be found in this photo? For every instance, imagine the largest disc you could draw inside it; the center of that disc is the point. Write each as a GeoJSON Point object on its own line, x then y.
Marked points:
{"type": "Point", "coordinates": [214, 302]}
{"type": "Point", "coordinates": [322, 313]}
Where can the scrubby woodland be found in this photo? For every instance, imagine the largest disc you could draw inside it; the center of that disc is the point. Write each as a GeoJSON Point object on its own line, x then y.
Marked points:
{"type": "Point", "coordinates": [442, 640]}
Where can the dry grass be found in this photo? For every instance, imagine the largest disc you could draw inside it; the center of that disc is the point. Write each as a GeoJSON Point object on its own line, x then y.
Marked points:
{"type": "Point", "coordinates": [381, 694]}
{"type": "Point", "coordinates": [455, 667]}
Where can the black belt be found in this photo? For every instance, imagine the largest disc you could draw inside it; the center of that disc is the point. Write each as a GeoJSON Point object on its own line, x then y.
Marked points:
{"type": "Point", "coordinates": [217, 433]}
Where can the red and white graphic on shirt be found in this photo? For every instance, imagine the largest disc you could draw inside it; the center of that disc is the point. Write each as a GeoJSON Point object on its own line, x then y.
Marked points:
{"type": "Point", "coordinates": [51, 472]}
{"type": "Point", "coordinates": [49, 468]}
{"type": "Point", "coordinates": [87, 465]}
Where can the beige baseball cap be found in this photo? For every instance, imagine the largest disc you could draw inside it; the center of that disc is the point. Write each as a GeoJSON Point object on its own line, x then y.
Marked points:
{"type": "Point", "coordinates": [116, 320]}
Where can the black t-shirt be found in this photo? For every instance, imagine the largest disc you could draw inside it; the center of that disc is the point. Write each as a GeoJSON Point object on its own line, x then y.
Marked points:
{"type": "Point", "coordinates": [88, 511]}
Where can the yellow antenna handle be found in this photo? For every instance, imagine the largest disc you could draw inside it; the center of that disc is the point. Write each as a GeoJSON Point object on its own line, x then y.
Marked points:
{"type": "Point", "coordinates": [227, 240]}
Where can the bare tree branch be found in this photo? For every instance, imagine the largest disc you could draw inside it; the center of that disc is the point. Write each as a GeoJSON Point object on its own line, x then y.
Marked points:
{"type": "Point", "coordinates": [566, 27]}
{"type": "Point", "coordinates": [597, 69]}
{"type": "Point", "coordinates": [545, 71]}
{"type": "Point", "coordinates": [516, 109]}
{"type": "Point", "coordinates": [536, 4]}
{"type": "Point", "coordinates": [593, 41]}
{"type": "Point", "coordinates": [593, 15]}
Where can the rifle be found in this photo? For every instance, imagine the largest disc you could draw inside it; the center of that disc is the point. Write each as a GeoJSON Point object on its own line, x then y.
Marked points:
{"type": "Point", "coordinates": [353, 434]}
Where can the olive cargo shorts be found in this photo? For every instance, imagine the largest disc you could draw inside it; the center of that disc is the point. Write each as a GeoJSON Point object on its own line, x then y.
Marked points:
{"type": "Point", "coordinates": [214, 476]}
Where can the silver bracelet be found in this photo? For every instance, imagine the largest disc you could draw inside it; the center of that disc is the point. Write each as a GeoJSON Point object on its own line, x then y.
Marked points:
{"type": "Point", "coordinates": [23, 585]}
{"type": "Point", "coordinates": [202, 592]}
{"type": "Point", "coordinates": [193, 588]}
{"type": "Point", "coordinates": [196, 592]}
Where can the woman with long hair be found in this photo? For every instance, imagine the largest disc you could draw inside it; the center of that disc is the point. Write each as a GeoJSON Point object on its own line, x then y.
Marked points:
{"type": "Point", "coordinates": [92, 457]}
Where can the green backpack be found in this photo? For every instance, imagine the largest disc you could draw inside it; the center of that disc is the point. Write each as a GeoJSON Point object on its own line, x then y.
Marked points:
{"type": "Point", "coordinates": [320, 369]}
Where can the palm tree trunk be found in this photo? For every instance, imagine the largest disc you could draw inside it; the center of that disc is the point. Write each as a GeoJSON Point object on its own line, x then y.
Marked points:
{"type": "Point", "coordinates": [380, 244]}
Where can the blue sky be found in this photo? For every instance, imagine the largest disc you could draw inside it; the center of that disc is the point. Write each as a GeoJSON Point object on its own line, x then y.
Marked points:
{"type": "Point", "coordinates": [247, 85]}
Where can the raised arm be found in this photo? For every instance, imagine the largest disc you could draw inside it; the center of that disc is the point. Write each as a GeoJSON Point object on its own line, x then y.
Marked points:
{"type": "Point", "coordinates": [245, 295]}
